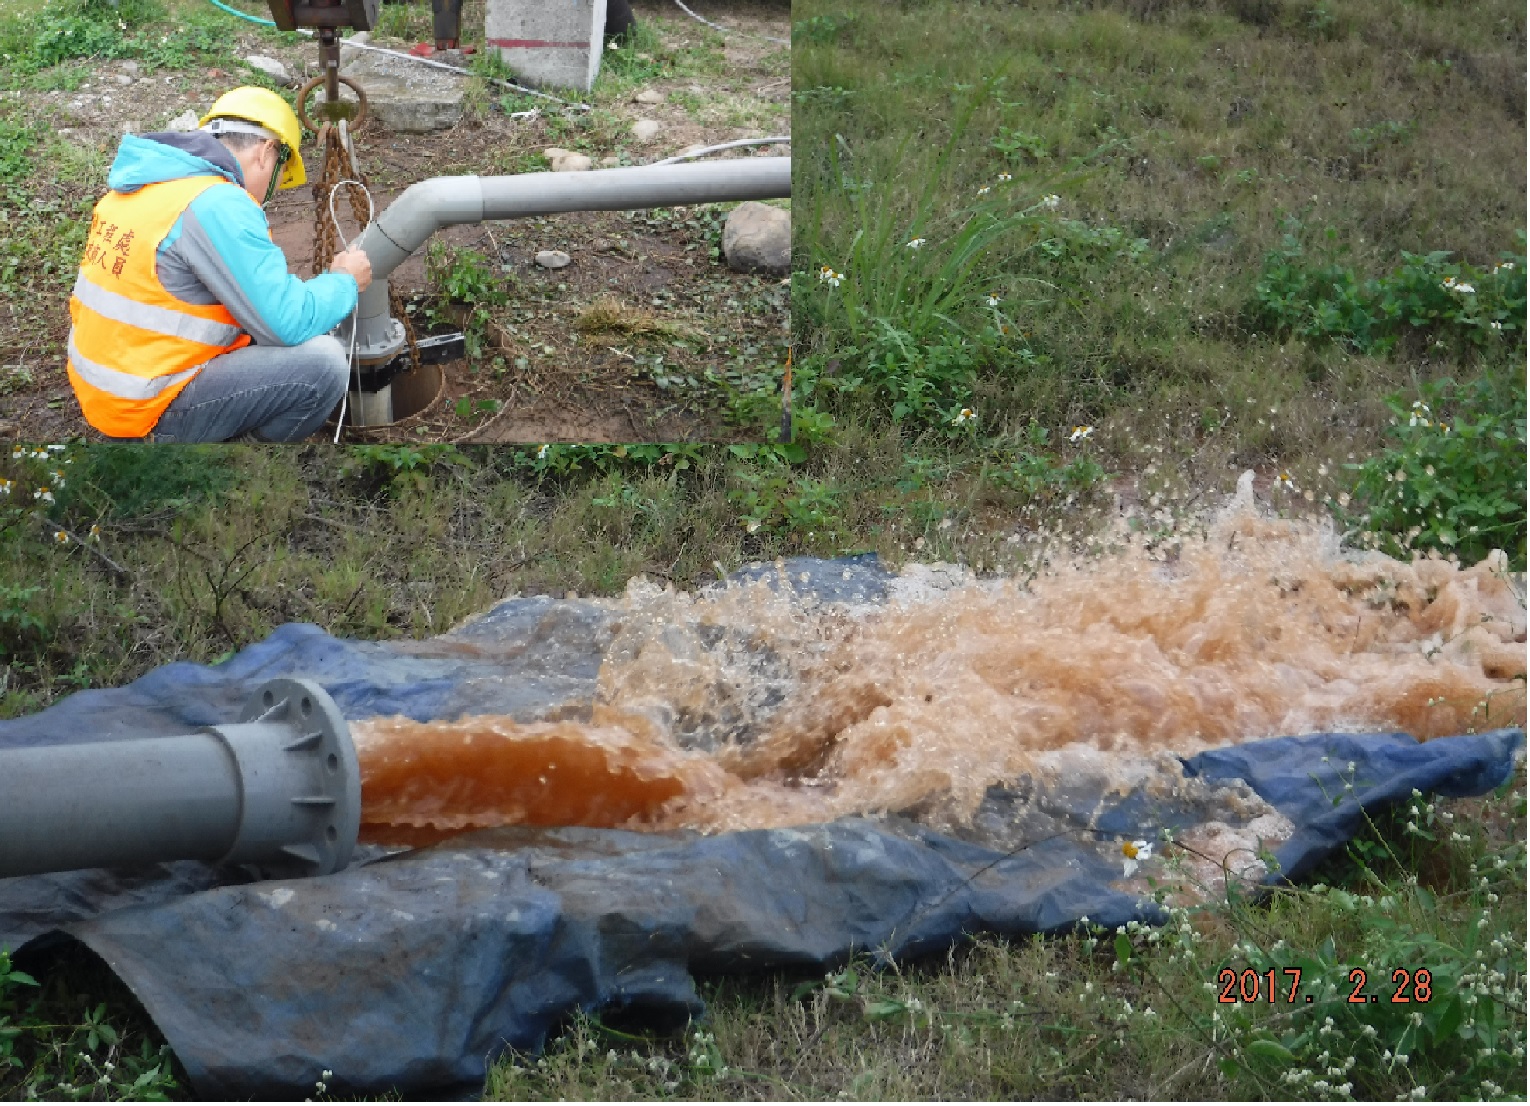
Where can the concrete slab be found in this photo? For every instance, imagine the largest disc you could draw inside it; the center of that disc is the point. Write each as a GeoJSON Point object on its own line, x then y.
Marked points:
{"type": "Point", "coordinates": [554, 43]}
{"type": "Point", "coordinates": [405, 97]}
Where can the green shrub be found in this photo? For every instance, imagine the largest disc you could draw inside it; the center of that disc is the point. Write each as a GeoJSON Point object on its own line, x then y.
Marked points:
{"type": "Point", "coordinates": [128, 480]}
{"type": "Point", "coordinates": [52, 1047]}
{"type": "Point", "coordinates": [80, 29]}
{"type": "Point", "coordinates": [776, 499]}
{"type": "Point", "coordinates": [1428, 295]}
{"type": "Point", "coordinates": [1452, 478]}
{"type": "Point", "coordinates": [96, 29]}
{"type": "Point", "coordinates": [17, 141]}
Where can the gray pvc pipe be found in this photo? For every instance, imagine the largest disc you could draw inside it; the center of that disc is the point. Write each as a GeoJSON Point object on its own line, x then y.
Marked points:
{"type": "Point", "coordinates": [426, 207]}
{"type": "Point", "coordinates": [279, 789]}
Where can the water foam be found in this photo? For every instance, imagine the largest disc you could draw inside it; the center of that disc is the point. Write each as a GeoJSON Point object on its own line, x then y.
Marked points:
{"type": "Point", "coordinates": [747, 706]}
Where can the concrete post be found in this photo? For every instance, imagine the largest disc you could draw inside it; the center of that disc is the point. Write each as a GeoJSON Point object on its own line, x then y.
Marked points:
{"type": "Point", "coordinates": [555, 43]}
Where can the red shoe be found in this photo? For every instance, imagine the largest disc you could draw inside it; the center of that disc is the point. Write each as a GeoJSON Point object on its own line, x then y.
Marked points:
{"type": "Point", "coordinates": [421, 50]}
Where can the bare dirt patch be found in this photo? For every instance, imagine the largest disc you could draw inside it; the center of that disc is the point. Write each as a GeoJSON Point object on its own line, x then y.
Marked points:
{"type": "Point", "coordinates": [535, 376]}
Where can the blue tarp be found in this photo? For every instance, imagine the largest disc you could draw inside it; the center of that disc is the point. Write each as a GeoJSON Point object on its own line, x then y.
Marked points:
{"type": "Point", "coordinates": [411, 971]}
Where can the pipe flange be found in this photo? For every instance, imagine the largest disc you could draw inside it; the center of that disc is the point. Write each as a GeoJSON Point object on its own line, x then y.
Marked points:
{"type": "Point", "coordinates": [300, 781]}
{"type": "Point", "coordinates": [379, 341]}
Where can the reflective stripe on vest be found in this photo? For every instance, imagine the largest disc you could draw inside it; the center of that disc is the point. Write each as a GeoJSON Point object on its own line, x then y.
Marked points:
{"type": "Point", "coordinates": [133, 345]}
{"type": "Point", "coordinates": [125, 385]}
{"type": "Point", "coordinates": [121, 309]}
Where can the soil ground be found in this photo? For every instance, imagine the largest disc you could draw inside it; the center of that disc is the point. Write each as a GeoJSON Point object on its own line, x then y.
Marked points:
{"type": "Point", "coordinates": [682, 332]}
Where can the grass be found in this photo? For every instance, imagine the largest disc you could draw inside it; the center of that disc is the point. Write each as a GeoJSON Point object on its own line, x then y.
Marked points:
{"type": "Point", "coordinates": [611, 315]}
{"type": "Point", "coordinates": [1183, 145]}
{"type": "Point", "coordinates": [1131, 1014]}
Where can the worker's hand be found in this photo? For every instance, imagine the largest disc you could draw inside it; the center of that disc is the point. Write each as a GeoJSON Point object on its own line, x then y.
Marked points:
{"type": "Point", "coordinates": [355, 262]}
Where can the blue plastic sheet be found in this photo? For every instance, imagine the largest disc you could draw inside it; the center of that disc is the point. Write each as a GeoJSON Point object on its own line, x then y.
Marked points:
{"type": "Point", "coordinates": [412, 971]}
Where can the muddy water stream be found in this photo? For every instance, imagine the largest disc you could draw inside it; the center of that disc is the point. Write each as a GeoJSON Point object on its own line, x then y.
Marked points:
{"type": "Point", "coordinates": [747, 707]}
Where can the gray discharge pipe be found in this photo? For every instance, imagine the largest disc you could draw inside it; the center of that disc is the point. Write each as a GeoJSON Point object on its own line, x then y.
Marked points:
{"type": "Point", "coordinates": [440, 202]}
{"type": "Point", "coordinates": [279, 789]}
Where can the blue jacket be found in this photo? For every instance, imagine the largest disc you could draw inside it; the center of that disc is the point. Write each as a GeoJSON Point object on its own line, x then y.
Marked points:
{"type": "Point", "coordinates": [220, 249]}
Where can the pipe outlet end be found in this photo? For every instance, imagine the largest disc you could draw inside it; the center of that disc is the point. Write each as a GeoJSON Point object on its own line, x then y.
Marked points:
{"type": "Point", "coordinates": [300, 809]}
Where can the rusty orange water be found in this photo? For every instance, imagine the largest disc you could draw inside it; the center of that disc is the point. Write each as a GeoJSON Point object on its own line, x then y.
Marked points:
{"type": "Point", "coordinates": [791, 714]}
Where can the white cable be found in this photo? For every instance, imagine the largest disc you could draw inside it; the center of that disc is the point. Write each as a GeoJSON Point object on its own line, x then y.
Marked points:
{"type": "Point", "coordinates": [355, 373]}
{"type": "Point", "coordinates": [454, 69]}
{"type": "Point", "coordinates": [728, 30]}
{"type": "Point", "coordinates": [779, 139]}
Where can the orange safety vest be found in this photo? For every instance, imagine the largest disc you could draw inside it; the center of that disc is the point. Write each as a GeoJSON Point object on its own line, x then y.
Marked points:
{"type": "Point", "coordinates": [134, 346]}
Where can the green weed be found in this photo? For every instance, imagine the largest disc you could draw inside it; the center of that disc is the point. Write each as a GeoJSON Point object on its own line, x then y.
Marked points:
{"type": "Point", "coordinates": [127, 481]}
{"type": "Point", "coordinates": [1430, 298]}
{"type": "Point", "coordinates": [59, 1045]}
{"type": "Point", "coordinates": [17, 143]}
{"type": "Point", "coordinates": [821, 28]}
{"type": "Point", "coordinates": [1451, 479]}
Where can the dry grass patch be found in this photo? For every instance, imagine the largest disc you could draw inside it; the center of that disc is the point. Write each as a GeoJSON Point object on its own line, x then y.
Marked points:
{"type": "Point", "coordinates": [612, 315]}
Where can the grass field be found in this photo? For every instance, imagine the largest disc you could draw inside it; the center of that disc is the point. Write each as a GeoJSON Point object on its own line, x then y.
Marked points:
{"type": "Point", "coordinates": [1158, 220]}
{"type": "Point", "coordinates": [1219, 235]}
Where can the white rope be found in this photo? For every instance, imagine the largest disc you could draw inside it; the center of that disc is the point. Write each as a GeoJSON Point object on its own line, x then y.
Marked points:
{"type": "Point", "coordinates": [705, 150]}
{"type": "Point", "coordinates": [344, 245]}
{"type": "Point", "coordinates": [728, 30]}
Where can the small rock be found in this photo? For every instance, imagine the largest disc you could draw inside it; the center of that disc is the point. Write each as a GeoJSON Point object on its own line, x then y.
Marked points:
{"type": "Point", "coordinates": [757, 238]}
{"type": "Point", "coordinates": [649, 96]}
{"type": "Point", "coordinates": [132, 126]}
{"type": "Point", "coordinates": [129, 67]}
{"type": "Point", "coordinates": [552, 259]}
{"type": "Point", "coordinates": [185, 121]}
{"type": "Point", "coordinates": [646, 130]}
{"type": "Point", "coordinates": [566, 161]}
{"type": "Point", "coordinates": [270, 67]}
{"type": "Point", "coordinates": [696, 149]}
{"type": "Point", "coordinates": [216, 74]}
{"type": "Point", "coordinates": [120, 78]}
{"type": "Point", "coordinates": [610, 161]}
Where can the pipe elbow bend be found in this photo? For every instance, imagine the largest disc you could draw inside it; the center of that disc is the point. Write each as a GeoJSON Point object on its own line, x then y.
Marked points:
{"type": "Point", "coordinates": [426, 207]}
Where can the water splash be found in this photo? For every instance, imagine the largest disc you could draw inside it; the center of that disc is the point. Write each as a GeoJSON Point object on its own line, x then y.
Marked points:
{"type": "Point", "coordinates": [746, 707]}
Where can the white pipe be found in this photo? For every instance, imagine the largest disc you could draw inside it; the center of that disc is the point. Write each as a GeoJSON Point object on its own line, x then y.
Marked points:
{"type": "Point", "coordinates": [774, 140]}
{"type": "Point", "coordinates": [430, 205]}
{"type": "Point", "coordinates": [280, 789]}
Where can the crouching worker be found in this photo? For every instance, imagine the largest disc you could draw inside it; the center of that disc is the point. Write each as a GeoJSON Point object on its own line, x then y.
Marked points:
{"type": "Point", "coordinates": [187, 326]}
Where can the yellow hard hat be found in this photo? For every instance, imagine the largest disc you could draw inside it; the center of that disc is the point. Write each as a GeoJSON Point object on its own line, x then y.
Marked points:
{"type": "Point", "coordinates": [265, 108]}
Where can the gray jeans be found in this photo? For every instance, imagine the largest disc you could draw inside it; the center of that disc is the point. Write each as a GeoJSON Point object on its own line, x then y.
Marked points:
{"type": "Point", "coordinates": [276, 393]}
